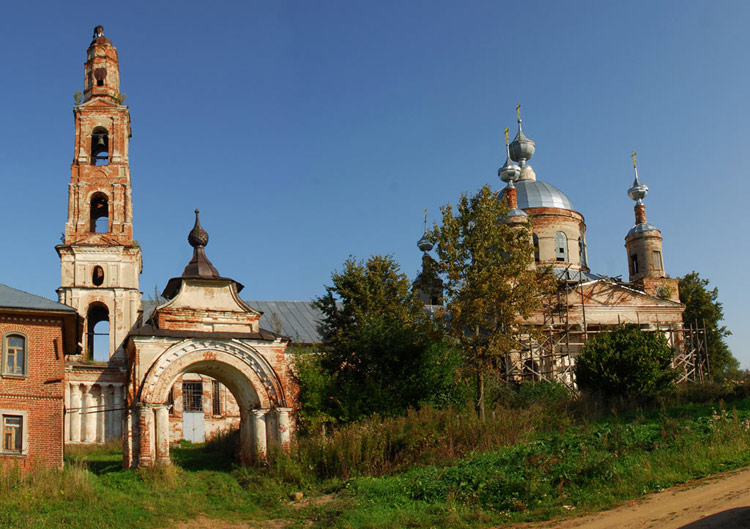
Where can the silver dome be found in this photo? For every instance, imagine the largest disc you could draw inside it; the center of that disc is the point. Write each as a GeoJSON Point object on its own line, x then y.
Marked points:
{"type": "Point", "coordinates": [509, 172]}
{"type": "Point", "coordinates": [639, 228]}
{"type": "Point", "coordinates": [425, 243]}
{"type": "Point", "coordinates": [521, 148]}
{"type": "Point", "coordinates": [536, 194]}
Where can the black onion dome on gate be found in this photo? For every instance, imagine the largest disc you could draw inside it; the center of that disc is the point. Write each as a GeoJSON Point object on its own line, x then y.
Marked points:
{"type": "Point", "coordinates": [199, 267]}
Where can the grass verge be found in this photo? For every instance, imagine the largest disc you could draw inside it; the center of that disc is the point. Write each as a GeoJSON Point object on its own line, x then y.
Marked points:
{"type": "Point", "coordinates": [427, 469]}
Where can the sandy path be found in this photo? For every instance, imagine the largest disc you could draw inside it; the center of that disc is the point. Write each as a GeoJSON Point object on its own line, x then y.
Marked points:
{"type": "Point", "coordinates": [718, 502]}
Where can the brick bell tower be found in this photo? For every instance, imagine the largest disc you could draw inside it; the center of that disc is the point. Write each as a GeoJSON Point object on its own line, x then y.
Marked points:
{"type": "Point", "coordinates": [100, 261]}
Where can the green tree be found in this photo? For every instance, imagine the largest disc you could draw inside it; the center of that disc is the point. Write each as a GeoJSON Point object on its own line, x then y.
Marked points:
{"type": "Point", "coordinates": [702, 305]}
{"type": "Point", "coordinates": [626, 362]}
{"type": "Point", "coordinates": [383, 352]}
{"type": "Point", "coordinates": [489, 278]}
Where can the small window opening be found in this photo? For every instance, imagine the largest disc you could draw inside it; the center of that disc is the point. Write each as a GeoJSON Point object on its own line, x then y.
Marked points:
{"type": "Point", "coordinates": [100, 74]}
{"type": "Point", "coordinates": [634, 264]}
{"type": "Point", "coordinates": [98, 276]}
{"type": "Point", "coordinates": [13, 433]}
{"type": "Point", "coordinates": [99, 146]}
{"type": "Point", "coordinates": [658, 265]}
{"type": "Point", "coordinates": [97, 320]}
{"type": "Point", "coordinates": [192, 396]}
{"type": "Point", "coordinates": [216, 397]}
{"type": "Point", "coordinates": [536, 248]}
{"type": "Point", "coordinates": [99, 213]}
{"type": "Point", "coordinates": [561, 247]}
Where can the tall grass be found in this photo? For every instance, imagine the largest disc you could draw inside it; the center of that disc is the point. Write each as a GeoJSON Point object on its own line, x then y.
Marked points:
{"type": "Point", "coordinates": [39, 482]}
{"type": "Point", "coordinates": [380, 446]}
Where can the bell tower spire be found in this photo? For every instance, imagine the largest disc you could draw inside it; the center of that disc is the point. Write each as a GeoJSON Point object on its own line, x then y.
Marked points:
{"type": "Point", "coordinates": [102, 69]}
{"type": "Point", "coordinates": [644, 247]}
{"type": "Point", "coordinates": [99, 259]}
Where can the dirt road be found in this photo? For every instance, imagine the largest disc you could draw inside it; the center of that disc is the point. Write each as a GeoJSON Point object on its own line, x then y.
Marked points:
{"type": "Point", "coordinates": [718, 502]}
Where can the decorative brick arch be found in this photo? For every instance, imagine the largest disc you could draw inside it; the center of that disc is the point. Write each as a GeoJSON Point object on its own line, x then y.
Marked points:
{"type": "Point", "coordinates": [241, 368]}
{"type": "Point", "coordinates": [236, 364]}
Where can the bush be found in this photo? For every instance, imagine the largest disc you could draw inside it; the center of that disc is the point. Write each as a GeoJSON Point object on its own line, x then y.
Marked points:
{"type": "Point", "coordinates": [626, 362]}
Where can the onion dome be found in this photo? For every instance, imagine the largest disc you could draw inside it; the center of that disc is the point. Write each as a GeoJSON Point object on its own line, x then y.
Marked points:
{"type": "Point", "coordinates": [197, 236]}
{"type": "Point", "coordinates": [637, 191]}
{"type": "Point", "coordinates": [199, 265]}
{"type": "Point", "coordinates": [509, 172]}
{"type": "Point", "coordinates": [425, 243]}
{"type": "Point", "coordinates": [521, 148]}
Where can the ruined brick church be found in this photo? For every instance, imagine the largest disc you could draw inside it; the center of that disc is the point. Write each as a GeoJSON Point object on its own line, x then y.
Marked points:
{"type": "Point", "coordinates": [586, 303]}
{"type": "Point", "coordinates": [109, 365]}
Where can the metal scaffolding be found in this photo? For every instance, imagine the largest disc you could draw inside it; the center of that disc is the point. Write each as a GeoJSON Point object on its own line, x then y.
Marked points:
{"type": "Point", "coordinates": [548, 352]}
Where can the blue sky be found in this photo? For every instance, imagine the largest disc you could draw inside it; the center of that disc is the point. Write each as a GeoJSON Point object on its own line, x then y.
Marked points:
{"type": "Point", "coordinates": [309, 131]}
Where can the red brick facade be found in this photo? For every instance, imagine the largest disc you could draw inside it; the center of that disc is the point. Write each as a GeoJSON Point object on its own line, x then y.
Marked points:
{"type": "Point", "coordinates": [36, 395]}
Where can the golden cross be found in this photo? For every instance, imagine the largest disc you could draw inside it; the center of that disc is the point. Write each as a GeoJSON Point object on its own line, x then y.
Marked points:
{"type": "Point", "coordinates": [425, 219]}
{"type": "Point", "coordinates": [633, 156]}
{"type": "Point", "coordinates": [518, 111]}
{"type": "Point", "coordinates": [506, 135]}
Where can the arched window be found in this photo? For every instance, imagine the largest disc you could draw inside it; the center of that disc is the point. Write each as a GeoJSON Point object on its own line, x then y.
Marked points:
{"type": "Point", "coordinates": [561, 247]}
{"type": "Point", "coordinates": [97, 326]}
{"type": "Point", "coordinates": [99, 213]}
{"type": "Point", "coordinates": [99, 146]}
{"type": "Point", "coordinates": [536, 248]}
{"type": "Point", "coordinates": [14, 354]}
{"type": "Point", "coordinates": [97, 276]}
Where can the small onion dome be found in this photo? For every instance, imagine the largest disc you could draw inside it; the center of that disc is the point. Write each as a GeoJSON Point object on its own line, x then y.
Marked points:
{"type": "Point", "coordinates": [638, 191]}
{"type": "Point", "coordinates": [197, 236]}
{"type": "Point", "coordinates": [509, 172]}
{"type": "Point", "coordinates": [521, 148]}
{"type": "Point", "coordinates": [425, 243]}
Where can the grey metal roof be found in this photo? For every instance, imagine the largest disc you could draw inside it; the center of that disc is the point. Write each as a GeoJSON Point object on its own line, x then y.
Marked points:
{"type": "Point", "coordinates": [536, 194]}
{"type": "Point", "coordinates": [297, 320]}
{"type": "Point", "coordinates": [12, 298]}
{"type": "Point", "coordinates": [638, 228]}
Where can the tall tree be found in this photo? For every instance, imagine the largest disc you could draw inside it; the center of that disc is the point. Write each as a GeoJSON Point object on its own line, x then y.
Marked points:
{"type": "Point", "coordinates": [384, 353]}
{"type": "Point", "coordinates": [490, 282]}
{"type": "Point", "coordinates": [702, 305]}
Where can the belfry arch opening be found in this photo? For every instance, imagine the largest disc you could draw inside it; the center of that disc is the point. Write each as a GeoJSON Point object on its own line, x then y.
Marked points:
{"type": "Point", "coordinates": [99, 213]}
{"type": "Point", "coordinates": [99, 146]}
{"type": "Point", "coordinates": [97, 332]}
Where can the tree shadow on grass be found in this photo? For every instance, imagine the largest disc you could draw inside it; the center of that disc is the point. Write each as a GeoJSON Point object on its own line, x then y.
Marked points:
{"type": "Point", "coordinates": [737, 518]}
{"type": "Point", "coordinates": [217, 454]}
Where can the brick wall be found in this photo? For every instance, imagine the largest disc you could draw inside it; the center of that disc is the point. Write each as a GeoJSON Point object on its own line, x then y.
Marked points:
{"type": "Point", "coordinates": [37, 396]}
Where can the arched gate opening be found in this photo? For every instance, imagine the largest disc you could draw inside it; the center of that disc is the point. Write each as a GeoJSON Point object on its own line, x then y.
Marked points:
{"type": "Point", "coordinates": [264, 416]}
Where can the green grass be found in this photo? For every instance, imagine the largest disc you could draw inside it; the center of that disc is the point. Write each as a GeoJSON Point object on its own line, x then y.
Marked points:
{"type": "Point", "coordinates": [428, 472]}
